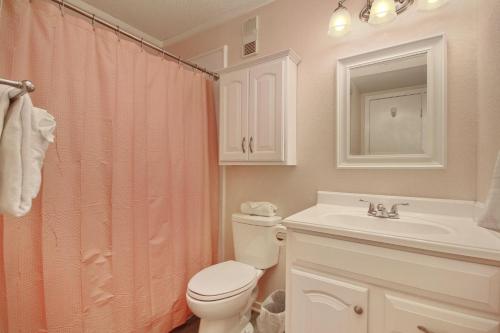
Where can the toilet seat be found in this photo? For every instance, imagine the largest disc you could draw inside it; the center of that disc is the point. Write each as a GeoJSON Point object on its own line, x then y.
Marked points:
{"type": "Point", "coordinates": [222, 280]}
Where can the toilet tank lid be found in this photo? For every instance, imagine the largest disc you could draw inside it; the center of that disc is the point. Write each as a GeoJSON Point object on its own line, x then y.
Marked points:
{"type": "Point", "coordinates": [264, 221]}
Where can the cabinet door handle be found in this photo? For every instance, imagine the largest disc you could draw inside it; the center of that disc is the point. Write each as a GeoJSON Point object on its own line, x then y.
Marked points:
{"type": "Point", "coordinates": [423, 329]}
{"type": "Point", "coordinates": [250, 144]}
{"type": "Point", "coordinates": [243, 144]}
{"type": "Point", "coordinates": [358, 310]}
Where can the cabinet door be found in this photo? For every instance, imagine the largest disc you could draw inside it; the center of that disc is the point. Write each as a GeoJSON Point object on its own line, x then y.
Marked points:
{"type": "Point", "coordinates": [409, 316]}
{"type": "Point", "coordinates": [233, 145]}
{"type": "Point", "coordinates": [266, 112]}
{"type": "Point", "coordinates": [325, 305]}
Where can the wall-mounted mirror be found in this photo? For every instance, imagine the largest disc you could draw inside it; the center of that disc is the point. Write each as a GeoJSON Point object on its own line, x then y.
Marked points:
{"type": "Point", "coordinates": [391, 110]}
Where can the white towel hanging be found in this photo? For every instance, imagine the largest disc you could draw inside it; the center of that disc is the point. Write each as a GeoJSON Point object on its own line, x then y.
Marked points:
{"type": "Point", "coordinates": [27, 132]}
{"type": "Point", "coordinates": [490, 218]}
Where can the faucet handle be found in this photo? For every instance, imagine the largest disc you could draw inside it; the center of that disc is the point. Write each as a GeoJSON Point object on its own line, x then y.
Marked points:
{"type": "Point", "coordinates": [396, 205]}
{"type": "Point", "coordinates": [394, 209]}
{"type": "Point", "coordinates": [371, 208]}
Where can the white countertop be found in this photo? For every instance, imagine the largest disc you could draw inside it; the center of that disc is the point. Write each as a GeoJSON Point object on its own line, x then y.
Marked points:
{"type": "Point", "coordinates": [460, 237]}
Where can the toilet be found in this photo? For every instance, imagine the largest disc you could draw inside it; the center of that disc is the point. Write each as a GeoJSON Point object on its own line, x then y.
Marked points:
{"type": "Point", "coordinates": [222, 295]}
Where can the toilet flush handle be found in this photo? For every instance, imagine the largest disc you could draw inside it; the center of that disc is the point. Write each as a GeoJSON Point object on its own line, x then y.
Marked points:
{"type": "Point", "coordinates": [279, 234]}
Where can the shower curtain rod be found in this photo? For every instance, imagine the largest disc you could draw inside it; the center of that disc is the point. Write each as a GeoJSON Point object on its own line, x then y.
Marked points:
{"type": "Point", "coordinates": [26, 86]}
{"type": "Point", "coordinates": [63, 4]}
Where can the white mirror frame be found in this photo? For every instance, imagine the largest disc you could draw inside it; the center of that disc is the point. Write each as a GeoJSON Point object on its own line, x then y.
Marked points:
{"type": "Point", "coordinates": [435, 50]}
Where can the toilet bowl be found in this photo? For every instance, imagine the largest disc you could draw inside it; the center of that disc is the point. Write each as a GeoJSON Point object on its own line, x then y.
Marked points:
{"type": "Point", "coordinates": [222, 295]}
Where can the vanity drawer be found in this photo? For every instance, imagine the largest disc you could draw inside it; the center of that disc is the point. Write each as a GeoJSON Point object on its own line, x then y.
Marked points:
{"type": "Point", "coordinates": [465, 284]}
{"type": "Point", "coordinates": [415, 316]}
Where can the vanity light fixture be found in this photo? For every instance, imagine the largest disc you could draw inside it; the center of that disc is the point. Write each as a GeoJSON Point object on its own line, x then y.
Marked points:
{"type": "Point", "coordinates": [340, 21]}
{"type": "Point", "coordinates": [375, 12]}
{"type": "Point", "coordinates": [382, 11]}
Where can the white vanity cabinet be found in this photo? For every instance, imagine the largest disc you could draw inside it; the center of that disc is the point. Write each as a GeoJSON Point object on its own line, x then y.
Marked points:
{"type": "Point", "coordinates": [257, 111]}
{"type": "Point", "coordinates": [324, 304]}
{"type": "Point", "coordinates": [344, 286]}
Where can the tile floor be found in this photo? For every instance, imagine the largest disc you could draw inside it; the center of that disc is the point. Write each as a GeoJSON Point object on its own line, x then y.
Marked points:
{"type": "Point", "coordinates": [190, 327]}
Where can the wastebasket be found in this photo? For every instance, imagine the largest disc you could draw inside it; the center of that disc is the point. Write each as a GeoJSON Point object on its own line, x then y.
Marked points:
{"type": "Point", "coordinates": [272, 313]}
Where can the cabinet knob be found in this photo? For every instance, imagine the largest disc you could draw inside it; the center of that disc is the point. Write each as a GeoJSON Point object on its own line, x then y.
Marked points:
{"type": "Point", "coordinates": [243, 144]}
{"type": "Point", "coordinates": [358, 310]}
{"type": "Point", "coordinates": [423, 329]}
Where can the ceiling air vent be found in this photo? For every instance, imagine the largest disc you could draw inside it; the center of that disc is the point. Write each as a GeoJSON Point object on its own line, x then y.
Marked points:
{"type": "Point", "coordinates": [250, 37]}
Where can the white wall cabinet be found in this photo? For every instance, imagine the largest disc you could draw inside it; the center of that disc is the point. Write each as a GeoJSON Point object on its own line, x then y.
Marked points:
{"type": "Point", "coordinates": [257, 122]}
{"type": "Point", "coordinates": [340, 286]}
{"type": "Point", "coordinates": [233, 117]}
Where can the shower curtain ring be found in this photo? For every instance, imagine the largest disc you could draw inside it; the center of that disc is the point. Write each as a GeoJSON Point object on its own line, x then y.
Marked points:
{"type": "Point", "coordinates": [162, 54]}
{"type": "Point", "coordinates": [93, 22]}
{"type": "Point", "coordinates": [118, 32]}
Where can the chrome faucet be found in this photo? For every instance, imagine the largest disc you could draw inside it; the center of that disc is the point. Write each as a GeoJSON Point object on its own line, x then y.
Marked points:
{"type": "Point", "coordinates": [382, 212]}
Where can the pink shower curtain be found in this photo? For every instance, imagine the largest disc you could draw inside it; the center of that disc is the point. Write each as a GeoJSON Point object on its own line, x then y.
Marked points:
{"type": "Point", "coordinates": [128, 209]}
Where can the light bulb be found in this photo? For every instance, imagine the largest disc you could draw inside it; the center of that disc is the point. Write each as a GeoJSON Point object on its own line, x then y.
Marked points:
{"type": "Point", "coordinates": [431, 4]}
{"type": "Point", "coordinates": [340, 22]}
{"type": "Point", "coordinates": [382, 11]}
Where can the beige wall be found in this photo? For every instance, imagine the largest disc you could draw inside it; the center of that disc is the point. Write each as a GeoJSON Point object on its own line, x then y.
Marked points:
{"type": "Point", "coordinates": [302, 25]}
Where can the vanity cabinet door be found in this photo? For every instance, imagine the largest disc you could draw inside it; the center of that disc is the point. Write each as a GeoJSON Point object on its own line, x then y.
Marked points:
{"type": "Point", "coordinates": [267, 112]}
{"type": "Point", "coordinates": [322, 304]}
{"type": "Point", "coordinates": [233, 138]}
{"type": "Point", "coordinates": [409, 316]}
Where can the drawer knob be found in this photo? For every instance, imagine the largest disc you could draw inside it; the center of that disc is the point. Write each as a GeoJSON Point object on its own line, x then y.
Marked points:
{"type": "Point", "coordinates": [423, 329]}
{"type": "Point", "coordinates": [358, 310]}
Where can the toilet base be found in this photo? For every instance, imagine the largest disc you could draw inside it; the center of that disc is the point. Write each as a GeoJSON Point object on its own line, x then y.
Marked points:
{"type": "Point", "coordinates": [227, 325]}
{"type": "Point", "coordinates": [236, 324]}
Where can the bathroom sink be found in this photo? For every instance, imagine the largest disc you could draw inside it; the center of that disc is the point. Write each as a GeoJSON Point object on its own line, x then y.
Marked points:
{"type": "Point", "coordinates": [403, 226]}
{"type": "Point", "coordinates": [437, 225]}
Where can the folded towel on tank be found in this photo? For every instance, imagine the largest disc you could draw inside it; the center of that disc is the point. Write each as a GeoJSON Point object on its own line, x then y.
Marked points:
{"type": "Point", "coordinates": [258, 208]}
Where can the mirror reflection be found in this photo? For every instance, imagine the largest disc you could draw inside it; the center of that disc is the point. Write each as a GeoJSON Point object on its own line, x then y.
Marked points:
{"type": "Point", "coordinates": [388, 107]}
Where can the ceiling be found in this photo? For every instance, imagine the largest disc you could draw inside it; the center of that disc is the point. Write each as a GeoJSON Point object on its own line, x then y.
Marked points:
{"type": "Point", "coordinates": [171, 20]}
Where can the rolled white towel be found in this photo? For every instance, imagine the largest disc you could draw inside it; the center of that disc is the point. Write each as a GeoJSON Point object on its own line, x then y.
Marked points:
{"type": "Point", "coordinates": [258, 208]}
{"type": "Point", "coordinates": [490, 218]}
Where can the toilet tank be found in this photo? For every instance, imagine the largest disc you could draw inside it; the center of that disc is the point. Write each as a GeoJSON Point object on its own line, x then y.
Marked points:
{"type": "Point", "coordinates": [254, 240]}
